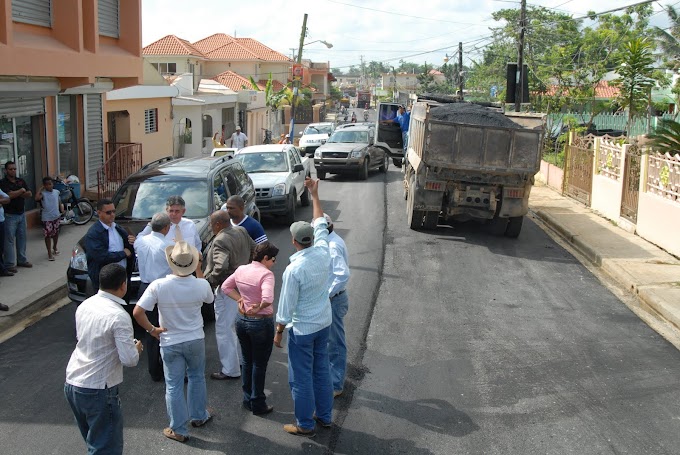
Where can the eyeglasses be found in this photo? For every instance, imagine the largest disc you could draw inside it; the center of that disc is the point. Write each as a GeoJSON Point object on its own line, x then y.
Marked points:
{"type": "Point", "coordinates": [109, 212]}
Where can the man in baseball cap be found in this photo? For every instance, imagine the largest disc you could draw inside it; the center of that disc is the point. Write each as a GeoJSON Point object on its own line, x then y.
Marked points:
{"type": "Point", "coordinates": [305, 308]}
{"type": "Point", "coordinates": [239, 139]}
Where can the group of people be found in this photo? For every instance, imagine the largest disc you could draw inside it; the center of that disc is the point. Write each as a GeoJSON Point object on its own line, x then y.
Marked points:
{"type": "Point", "coordinates": [235, 273]}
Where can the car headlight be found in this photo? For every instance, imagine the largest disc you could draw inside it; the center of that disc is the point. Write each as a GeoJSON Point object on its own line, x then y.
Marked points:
{"type": "Point", "coordinates": [279, 189]}
{"type": "Point", "coordinates": [78, 259]}
{"type": "Point", "coordinates": [357, 154]}
{"type": "Point", "coordinates": [317, 153]}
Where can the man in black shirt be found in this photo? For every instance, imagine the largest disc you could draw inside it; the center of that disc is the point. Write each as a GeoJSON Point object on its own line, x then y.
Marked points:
{"type": "Point", "coordinates": [15, 218]}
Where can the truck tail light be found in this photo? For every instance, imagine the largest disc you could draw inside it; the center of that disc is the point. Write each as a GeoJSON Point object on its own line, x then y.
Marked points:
{"type": "Point", "coordinates": [435, 186]}
{"type": "Point", "coordinates": [517, 193]}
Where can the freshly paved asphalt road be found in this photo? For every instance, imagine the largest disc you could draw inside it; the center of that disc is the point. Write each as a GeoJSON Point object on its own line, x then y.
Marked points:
{"type": "Point", "coordinates": [460, 343]}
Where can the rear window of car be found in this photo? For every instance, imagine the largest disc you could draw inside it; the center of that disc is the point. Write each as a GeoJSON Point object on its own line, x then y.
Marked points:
{"type": "Point", "coordinates": [319, 129]}
{"type": "Point", "coordinates": [142, 199]}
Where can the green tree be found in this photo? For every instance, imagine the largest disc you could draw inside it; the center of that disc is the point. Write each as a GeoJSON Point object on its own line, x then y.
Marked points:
{"type": "Point", "coordinates": [636, 77]}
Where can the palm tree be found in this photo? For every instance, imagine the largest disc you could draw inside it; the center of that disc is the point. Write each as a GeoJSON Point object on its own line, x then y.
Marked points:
{"type": "Point", "coordinates": [668, 40]}
{"type": "Point", "coordinates": [636, 77]}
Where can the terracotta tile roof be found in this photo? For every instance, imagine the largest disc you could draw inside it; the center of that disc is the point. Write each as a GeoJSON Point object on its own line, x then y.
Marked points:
{"type": "Point", "coordinates": [233, 81]}
{"type": "Point", "coordinates": [276, 85]}
{"type": "Point", "coordinates": [221, 46]}
{"type": "Point", "coordinates": [172, 45]}
{"type": "Point", "coordinates": [602, 90]}
{"type": "Point", "coordinates": [213, 42]}
{"type": "Point", "coordinates": [262, 51]}
{"type": "Point", "coordinates": [232, 51]}
{"type": "Point", "coordinates": [435, 73]}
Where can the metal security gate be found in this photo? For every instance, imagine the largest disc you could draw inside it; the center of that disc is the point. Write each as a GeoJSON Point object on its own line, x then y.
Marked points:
{"type": "Point", "coordinates": [94, 140]}
{"type": "Point", "coordinates": [631, 184]}
{"type": "Point", "coordinates": [20, 107]}
{"type": "Point", "coordinates": [578, 176]}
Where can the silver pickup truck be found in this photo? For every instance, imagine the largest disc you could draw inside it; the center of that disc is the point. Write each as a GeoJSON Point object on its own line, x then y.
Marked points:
{"type": "Point", "coordinates": [458, 168]}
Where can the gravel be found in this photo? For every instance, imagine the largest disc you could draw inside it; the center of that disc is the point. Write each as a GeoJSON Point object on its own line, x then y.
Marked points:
{"type": "Point", "coordinates": [472, 114]}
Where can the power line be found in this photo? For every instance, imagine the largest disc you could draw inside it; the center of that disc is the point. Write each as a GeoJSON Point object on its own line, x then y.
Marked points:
{"type": "Point", "coordinates": [402, 15]}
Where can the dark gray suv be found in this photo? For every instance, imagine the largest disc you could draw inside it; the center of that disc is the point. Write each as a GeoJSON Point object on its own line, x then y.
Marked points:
{"type": "Point", "coordinates": [204, 183]}
{"type": "Point", "coordinates": [350, 150]}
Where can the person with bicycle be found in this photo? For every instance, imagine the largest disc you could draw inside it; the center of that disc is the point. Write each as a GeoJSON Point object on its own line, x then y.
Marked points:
{"type": "Point", "coordinates": [52, 208]}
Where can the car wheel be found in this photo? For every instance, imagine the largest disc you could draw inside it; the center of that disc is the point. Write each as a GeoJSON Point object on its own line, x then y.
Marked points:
{"type": "Point", "coordinates": [396, 162]}
{"type": "Point", "coordinates": [363, 172]}
{"type": "Point", "coordinates": [385, 165]}
{"type": "Point", "coordinates": [304, 197]}
{"type": "Point", "coordinates": [290, 216]}
{"type": "Point", "coordinates": [321, 175]}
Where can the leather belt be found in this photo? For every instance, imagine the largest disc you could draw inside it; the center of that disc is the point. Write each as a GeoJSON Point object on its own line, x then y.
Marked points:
{"type": "Point", "coordinates": [337, 294]}
{"type": "Point", "coordinates": [256, 316]}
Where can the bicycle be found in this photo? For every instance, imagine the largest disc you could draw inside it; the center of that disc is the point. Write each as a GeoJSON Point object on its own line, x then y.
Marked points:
{"type": "Point", "coordinates": [77, 211]}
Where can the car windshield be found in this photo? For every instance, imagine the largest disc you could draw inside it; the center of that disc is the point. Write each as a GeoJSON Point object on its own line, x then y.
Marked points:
{"type": "Point", "coordinates": [136, 200]}
{"type": "Point", "coordinates": [264, 162]}
{"type": "Point", "coordinates": [349, 136]}
{"type": "Point", "coordinates": [318, 129]}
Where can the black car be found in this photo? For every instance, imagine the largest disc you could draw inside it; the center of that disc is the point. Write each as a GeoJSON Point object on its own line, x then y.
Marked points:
{"type": "Point", "coordinates": [204, 183]}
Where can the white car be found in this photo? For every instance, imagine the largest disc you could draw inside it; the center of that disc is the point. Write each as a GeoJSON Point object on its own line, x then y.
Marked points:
{"type": "Point", "coordinates": [278, 173]}
{"type": "Point", "coordinates": [222, 151]}
{"type": "Point", "coordinates": [315, 135]}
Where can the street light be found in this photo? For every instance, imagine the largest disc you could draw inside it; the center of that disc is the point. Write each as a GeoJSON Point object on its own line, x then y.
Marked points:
{"type": "Point", "coordinates": [326, 43]}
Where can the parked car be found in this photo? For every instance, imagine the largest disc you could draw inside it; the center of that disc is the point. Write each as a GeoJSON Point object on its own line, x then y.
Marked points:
{"type": "Point", "coordinates": [350, 150]}
{"type": "Point", "coordinates": [204, 183]}
{"type": "Point", "coordinates": [314, 136]}
{"type": "Point", "coordinates": [278, 172]}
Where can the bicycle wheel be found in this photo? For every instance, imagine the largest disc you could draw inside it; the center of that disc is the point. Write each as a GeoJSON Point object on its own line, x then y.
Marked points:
{"type": "Point", "coordinates": [82, 211]}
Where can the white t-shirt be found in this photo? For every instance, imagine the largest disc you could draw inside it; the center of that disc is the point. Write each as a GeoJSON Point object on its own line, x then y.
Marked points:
{"type": "Point", "coordinates": [179, 300]}
{"type": "Point", "coordinates": [238, 140]}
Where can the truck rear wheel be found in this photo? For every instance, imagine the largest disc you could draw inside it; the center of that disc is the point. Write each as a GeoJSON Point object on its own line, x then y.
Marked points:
{"type": "Point", "coordinates": [414, 217]}
{"type": "Point", "coordinates": [514, 227]}
{"type": "Point", "coordinates": [431, 220]}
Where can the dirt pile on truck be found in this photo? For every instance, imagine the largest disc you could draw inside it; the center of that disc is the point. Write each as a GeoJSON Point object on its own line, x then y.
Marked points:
{"type": "Point", "coordinates": [471, 114]}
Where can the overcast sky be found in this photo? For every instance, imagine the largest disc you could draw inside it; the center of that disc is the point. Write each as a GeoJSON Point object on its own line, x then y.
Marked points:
{"type": "Point", "coordinates": [417, 31]}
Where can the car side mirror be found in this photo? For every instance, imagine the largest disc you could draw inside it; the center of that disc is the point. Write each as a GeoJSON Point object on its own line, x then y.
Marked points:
{"type": "Point", "coordinates": [298, 168]}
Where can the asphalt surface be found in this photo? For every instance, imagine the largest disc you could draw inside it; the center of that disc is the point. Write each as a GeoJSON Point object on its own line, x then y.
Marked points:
{"type": "Point", "coordinates": [459, 342]}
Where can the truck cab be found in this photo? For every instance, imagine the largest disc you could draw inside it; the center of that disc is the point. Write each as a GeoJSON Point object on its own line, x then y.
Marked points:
{"type": "Point", "coordinates": [388, 135]}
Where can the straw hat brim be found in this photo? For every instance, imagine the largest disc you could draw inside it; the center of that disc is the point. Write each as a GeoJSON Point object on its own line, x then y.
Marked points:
{"type": "Point", "coordinates": [178, 269]}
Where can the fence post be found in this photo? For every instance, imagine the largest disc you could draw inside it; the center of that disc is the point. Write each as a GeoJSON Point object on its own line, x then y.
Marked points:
{"type": "Point", "coordinates": [644, 168]}
{"type": "Point", "coordinates": [596, 157]}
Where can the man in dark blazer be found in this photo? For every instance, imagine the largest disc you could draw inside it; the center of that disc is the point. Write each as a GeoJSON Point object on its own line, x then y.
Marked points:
{"type": "Point", "coordinates": [107, 243]}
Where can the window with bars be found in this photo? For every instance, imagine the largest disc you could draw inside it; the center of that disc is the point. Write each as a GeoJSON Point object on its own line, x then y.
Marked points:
{"type": "Point", "coordinates": [150, 121]}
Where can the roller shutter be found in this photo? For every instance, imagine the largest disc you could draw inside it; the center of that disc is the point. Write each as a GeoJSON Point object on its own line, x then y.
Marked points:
{"type": "Point", "coordinates": [19, 107]}
{"type": "Point", "coordinates": [108, 18]}
{"type": "Point", "coordinates": [36, 12]}
{"type": "Point", "coordinates": [94, 139]}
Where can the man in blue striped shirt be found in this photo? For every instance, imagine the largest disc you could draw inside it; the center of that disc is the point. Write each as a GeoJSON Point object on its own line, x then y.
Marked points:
{"type": "Point", "coordinates": [304, 307]}
{"type": "Point", "coordinates": [236, 208]}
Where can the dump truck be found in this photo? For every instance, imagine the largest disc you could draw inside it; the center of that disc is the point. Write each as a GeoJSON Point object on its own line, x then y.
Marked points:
{"type": "Point", "coordinates": [476, 166]}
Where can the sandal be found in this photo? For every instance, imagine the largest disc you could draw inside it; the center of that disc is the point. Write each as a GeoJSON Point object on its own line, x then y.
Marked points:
{"type": "Point", "coordinates": [168, 433]}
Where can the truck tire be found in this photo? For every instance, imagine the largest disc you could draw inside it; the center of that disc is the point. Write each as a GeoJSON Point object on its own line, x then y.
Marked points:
{"type": "Point", "coordinates": [498, 225]}
{"type": "Point", "coordinates": [290, 215]}
{"type": "Point", "coordinates": [414, 217]}
{"type": "Point", "coordinates": [514, 227]}
{"type": "Point", "coordinates": [363, 172]}
{"type": "Point", "coordinates": [304, 197]}
{"type": "Point", "coordinates": [431, 220]}
{"type": "Point", "coordinates": [396, 162]}
{"type": "Point", "coordinates": [321, 175]}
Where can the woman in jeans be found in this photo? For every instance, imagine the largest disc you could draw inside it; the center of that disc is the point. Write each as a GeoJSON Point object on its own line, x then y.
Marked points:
{"type": "Point", "coordinates": [252, 286]}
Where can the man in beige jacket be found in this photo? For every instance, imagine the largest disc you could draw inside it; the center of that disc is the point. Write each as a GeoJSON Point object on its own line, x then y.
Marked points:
{"type": "Point", "coordinates": [230, 248]}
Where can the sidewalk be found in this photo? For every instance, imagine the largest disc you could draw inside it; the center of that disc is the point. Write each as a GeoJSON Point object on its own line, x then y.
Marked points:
{"type": "Point", "coordinates": [644, 269]}
{"type": "Point", "coordinates": [31, 290]}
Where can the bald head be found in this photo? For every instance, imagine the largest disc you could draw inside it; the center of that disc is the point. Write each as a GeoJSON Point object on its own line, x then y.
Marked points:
{"type": "Point", "coordinates": [219, 220]}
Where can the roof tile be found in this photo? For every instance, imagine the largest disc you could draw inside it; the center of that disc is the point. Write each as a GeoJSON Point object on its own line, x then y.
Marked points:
{"type": "Point", "coordinates": [171, 45]}
{"type": "Point", "coordinates": [233, 81]}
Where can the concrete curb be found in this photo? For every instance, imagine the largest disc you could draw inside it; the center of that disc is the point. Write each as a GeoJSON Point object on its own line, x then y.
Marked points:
{"type": "Point", "coordinates": [586, 250]}
{"type": "Point", "coordinates": [34, 304]}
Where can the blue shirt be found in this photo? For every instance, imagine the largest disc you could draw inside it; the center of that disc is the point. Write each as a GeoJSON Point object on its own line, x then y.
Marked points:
{"type": "Point", "coordinates": [255, 229]}
{"type": "Point", "coordinates": [404, 120]}
{"type": "Point", "coordinates": [304, 302]}
{"type": "Point", "coordinates": [339, 264]}
{"type": "Point", "coordinates": [2, 209]}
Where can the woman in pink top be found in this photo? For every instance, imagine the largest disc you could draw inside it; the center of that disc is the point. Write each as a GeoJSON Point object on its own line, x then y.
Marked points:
{"type": "Point", "coordinates": [252, 286]}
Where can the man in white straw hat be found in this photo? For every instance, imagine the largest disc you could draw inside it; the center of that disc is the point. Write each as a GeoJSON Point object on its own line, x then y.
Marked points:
{"type": "Point", "coordinates": [179, 298]}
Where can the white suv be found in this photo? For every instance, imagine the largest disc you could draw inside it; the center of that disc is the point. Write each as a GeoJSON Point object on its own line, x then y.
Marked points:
{"type": "Point", "coordinates": [314, 136]}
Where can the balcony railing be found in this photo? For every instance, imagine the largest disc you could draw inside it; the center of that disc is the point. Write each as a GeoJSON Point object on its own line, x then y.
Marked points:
{"type": "Point", "coordinates": [122, 160]}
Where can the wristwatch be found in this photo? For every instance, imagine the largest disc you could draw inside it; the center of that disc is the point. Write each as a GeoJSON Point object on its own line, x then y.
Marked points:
{"type": "Point", "coordinates": [151, 330]}
{"type": "Point", "coordinates": [280, 331]}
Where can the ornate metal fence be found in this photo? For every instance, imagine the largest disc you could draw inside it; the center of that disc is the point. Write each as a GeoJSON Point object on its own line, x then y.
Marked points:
{"type": "Point", "coordinates": [663, 176]}
{"type": "Point", "coordinates": [631, 183]}
{"type": "Point", "coordinates": [578, 175]}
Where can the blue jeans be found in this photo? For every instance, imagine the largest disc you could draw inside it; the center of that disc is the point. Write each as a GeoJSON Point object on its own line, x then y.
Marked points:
{"type": "Point", "coordinates": [404, 140]}
{"type": "Point", "coordinates": [99, 418]}
{"type": "Point", "coordinates": [256, 337]}
{"type": "Point", "coordinates": [178, 359]}
{"type": "Point", "coordinates": [337, 348]}
{"type": "Point", "coordinates": [15, 239]}
{"type": "Point", "coordinates": [2, 246]}
{"type": "Point", "coordinates": [309, 377]}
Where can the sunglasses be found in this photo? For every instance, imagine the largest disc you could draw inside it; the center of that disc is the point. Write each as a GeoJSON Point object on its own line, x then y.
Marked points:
{"type": "Point", "coordinates": [109, 212]}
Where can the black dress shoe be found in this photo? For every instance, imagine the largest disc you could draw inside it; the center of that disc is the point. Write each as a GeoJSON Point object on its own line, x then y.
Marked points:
{"type": "Point", "coordinates": [6, 273]}
{"type": "Point", "coordinates": [3, 307]}
{"type": "Point", "coordinates": [266, 410]}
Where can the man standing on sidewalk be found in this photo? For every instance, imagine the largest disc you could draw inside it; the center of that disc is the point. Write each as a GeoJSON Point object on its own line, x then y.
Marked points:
{"type": "Point", "coordinates": [105, 346]}
{"type": "Point", "coordinates": [236, 207]}
{"type": "Point", "coordinates": [4, 199]}
{"type": "Point", "coordinates": [337, 290]}
{"type": "Point", "coordinates": [152, 266]}
{"type": "Point", "coordinates": [305, 308]}
{"type": "Point", "coordinates": [15, 218]}
{"type": "Point", "coordinates": [180, 297]}
{"type": "Point", "coordinates": [230, 248]}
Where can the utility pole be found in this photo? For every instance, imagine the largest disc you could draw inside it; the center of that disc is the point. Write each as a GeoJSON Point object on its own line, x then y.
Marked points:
{"type": "Point", "coordinates": [296, 82]}
{"type": "Point", "coordinates": [460, 68]}
{"type": "Point", "coordinates": [520, 59]}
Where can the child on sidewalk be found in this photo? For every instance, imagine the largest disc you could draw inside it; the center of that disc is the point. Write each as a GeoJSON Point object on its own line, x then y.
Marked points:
{"type": "Point", "coordinates": [52, 208]}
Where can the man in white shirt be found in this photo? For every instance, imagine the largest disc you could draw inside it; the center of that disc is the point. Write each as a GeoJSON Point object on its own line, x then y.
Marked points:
{"type": "Point", "coordinates": [181, 228]}
{"type": "Point", "coordinates": [152, 266]}
{"type": "Point", "coordinates": [180, 297]}
{"type": "Point", "coordinates": [105, 345]}
{"type": "Point", "coordinates": [239, 139]}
